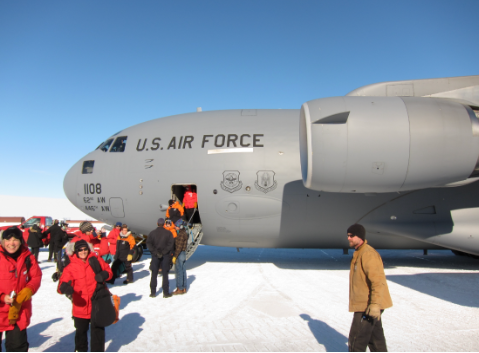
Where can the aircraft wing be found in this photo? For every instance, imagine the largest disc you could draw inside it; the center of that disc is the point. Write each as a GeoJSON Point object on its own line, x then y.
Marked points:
{"type": "Point", "coordinates": [464, 89]}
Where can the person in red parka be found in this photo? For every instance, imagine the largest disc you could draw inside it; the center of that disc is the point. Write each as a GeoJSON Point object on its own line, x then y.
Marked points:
{"type": "Point", "coordinates": [20, 279]}
{"type": "Point", "coordinates": [78, 282]}
{"type": "Point", "coordinates": [113, 237]}
{"type": "Point", "coordinates": [190, 202]}
{"type": "Point", "coordinates": [102, 247]}
{"type": "Point", "coordinates": [85, 232]}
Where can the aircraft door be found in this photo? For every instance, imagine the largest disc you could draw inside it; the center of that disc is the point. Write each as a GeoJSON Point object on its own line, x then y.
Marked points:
{"type": "Point", "coordinates": [116, 207]}
{"type": "Point", "coordinates": [178, 193]}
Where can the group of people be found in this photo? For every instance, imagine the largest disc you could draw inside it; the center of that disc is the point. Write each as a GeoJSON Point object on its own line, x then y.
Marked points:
{"type": "Point", "coordinates": [78, 278]}
{"type": "Point", "coordinates": [56, 234]}
{"type": "Point", "coordinates": [21, 278]}
{"type": "Point", "coordinates": [167, 244]}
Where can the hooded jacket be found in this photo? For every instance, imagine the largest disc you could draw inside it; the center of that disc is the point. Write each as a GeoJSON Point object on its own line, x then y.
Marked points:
{"type": "Point", "coordinates": [83, 281]}
{"type": "Point", "coordinates": [112, 238]}
{"type": "Point", "coordinates": [124, 246]}
{"type": "Point", "coordinates": [175, 212]}
{"type": "Point", "coordinates": [190, 199]}
{"type": "Point", "coordinates": [101, 246]}
{"type": "Point", "coordinates": [35, 237]}
{"type": "Point", "coordinates": [367, 281]}
{"type": "Point", "coordinates": [56, 236]}
{"type": "Point", "coordinates": [82, 236]}
{"type": "Point", "coordinates": [15, 276]}
{"type": "Point", "coordinates": [172, 229]}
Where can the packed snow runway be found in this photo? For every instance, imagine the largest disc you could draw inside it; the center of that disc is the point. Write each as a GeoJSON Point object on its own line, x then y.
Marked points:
{"type": "Point", "coordinates": [276, 300]}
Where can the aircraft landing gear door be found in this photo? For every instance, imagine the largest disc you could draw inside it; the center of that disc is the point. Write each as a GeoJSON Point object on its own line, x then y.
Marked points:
{"type": "Point", "coordinates": [116, 207]}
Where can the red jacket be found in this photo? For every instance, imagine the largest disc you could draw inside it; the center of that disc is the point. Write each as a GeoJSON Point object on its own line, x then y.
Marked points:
{"type": "Point", "coordinates": [112, 238]}
{"type": "Point", "coordinates": [190, 199]}
{"type": "Point", "coordinates": [82, 236]}
{"type": "Point", "coordinates": [14, 276]}
{"type": "Point", "coordinates": [83, 282]}
{"type": "Point", "coordinates": [101, 246]}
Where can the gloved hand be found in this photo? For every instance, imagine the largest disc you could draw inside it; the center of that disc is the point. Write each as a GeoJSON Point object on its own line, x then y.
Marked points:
{"type": "Point", "coordinates": [129, 257]}
{"type": "Point", "coordinates": [101, 277]}
{"type": "Point", "coordinates": [374, 311]}
{"type": "Point", "coordinates": [24, 295]}
{"type": "Point", "coordinates": [173, 260]}
{"type": "Point", "coordinates": [13, 313]}
{"type": "Point", "coordinates": [55, 276]}
{"type": "Point", "coordinates": [67, 289]}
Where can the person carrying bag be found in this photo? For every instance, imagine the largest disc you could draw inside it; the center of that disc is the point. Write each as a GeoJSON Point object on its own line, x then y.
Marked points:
{"type": "Point", "coordinates": [79, 282]}
{"type": "Point", "coordinates": [104, 306]}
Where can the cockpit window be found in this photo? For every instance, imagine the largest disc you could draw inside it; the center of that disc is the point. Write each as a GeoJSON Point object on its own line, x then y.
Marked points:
{"type": "Point", "coordinates": [119, 145]}
{"type": "Point", "coordinates": [105, 145]}
{"type": "Point", "coordinates": [88, 167]}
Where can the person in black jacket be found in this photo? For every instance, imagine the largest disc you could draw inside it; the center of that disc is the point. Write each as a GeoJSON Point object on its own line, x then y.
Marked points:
{"type": "Point", "coordinates": [160, 242]}
{"type": "Point", "coordinates": [35, 240]}
{"type": "Point", "coordinates": [124, 254]}
{"type": "Point", "coordinates": [55, 236]}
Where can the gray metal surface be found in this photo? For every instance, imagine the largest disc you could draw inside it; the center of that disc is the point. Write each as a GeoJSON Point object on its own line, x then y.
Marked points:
{"type": "Point", "coordinates": [246, 166]}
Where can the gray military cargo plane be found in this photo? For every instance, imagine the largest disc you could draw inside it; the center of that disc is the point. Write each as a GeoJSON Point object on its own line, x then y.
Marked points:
{"type": "Point", "coordinates": [401, 158]}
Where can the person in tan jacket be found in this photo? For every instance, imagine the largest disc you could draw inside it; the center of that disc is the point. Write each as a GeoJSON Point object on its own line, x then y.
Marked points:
{"type": "Point", "coordinates": [368, 294]}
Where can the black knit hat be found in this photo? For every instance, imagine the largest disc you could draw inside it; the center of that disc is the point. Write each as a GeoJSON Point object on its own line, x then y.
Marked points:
{"type": "Point", "coordinates": [80, 244]}
{"type": "Point", "coordinates": [357, 230]}
{"type": "Point", "coordinates": [12, 232]}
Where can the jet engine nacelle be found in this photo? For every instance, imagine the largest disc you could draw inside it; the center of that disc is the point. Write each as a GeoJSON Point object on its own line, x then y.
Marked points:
{"type": "Point", "coordinates": [386, 144]}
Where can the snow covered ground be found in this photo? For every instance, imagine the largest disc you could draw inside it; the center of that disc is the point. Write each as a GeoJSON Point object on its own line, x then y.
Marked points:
{"type": "Point", "coordinates": [276, 300]}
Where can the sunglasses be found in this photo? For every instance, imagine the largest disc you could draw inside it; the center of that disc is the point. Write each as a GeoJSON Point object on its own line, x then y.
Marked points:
{"type": "Point", "coordinates": [84, 249]}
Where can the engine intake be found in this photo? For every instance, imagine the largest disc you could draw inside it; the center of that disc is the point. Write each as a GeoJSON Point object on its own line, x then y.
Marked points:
{"type": "Point", "coordinates": [386, 144]}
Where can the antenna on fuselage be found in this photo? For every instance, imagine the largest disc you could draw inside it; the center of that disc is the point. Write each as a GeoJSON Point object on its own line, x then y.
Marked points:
{"type": "Point", "coordinates": [199, 109]}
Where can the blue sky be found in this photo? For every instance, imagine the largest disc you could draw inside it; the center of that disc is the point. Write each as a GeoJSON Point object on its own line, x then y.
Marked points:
{"type": "Point", "coordinates": [74, 72]}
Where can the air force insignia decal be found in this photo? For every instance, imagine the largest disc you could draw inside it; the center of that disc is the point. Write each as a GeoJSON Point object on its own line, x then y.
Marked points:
{"type": "Point", "coordinates": [265, 181]}
{"type": "Point", "coordinates": [231, 182]}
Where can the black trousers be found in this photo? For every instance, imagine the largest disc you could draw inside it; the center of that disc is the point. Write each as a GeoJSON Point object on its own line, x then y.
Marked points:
{"type": "Point", "coordinates": [81, 336]}
{"type": "Point", "coordinates": [15, 340]}
{"type": "Point", "coordinates": [165, 268]}
{"type": "Point", "coordinates": [35, 252]}
{"type": "Point", "coordinates": [188, 213]}
{"type": "Point", "coordinates": [51, 252]}
{"type": "Point", "coordinates": [366, 332]}
{"type": "Point", "coordinates": [129, 271]}
{"type": "Point", "coordinates": [128, 268]}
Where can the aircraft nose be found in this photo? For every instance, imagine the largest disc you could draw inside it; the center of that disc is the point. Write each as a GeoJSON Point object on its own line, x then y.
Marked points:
{"type": "Point", "coordinates": [70, 183]}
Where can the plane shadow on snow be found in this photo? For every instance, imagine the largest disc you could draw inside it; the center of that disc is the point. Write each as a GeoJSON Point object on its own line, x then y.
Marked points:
{"type": "Point", "coordinates": [332, 340]}
{"type": "Point", "coordinates": [329, 259]}
{"type": "Point", "coordinates": [457, 288]}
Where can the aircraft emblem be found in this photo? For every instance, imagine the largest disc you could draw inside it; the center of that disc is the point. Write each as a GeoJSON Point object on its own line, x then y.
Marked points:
{"type": "Point", "coordinates": [231, 182]}
{"type": "Point", "coordinates": [265, 181]}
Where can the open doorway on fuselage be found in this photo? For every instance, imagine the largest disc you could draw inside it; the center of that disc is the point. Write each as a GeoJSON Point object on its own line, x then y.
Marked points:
{"type": "Point", "coordinates": [178, 192]}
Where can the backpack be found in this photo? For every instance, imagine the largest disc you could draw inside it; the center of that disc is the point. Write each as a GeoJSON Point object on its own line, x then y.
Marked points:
{"type": "Point", "coordinates": [104, 309]}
